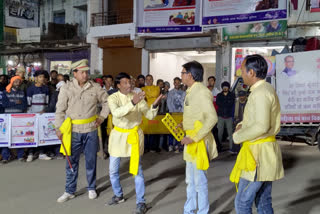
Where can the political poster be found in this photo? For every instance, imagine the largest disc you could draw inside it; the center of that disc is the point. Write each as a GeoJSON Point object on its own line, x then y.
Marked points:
{"type": "Point", "coordinates": [222, 12]}
{"type": "Point", "coordinates": [24, 130]}
{"type": "Point", "coordinates": [298, 86]}
{"type": "Point", "coordinates": [315, 6]}
{"type": "Point", "coordinates": [47, 130]}
{"type": "Point", "coordinates": [22, 13]}
{"type": "Point", "coordinates": [271, 61]}
{"type": "Point", "coordinates": [4, 130]}
{"type": "Point", "coordinates": [259, 30]}
{"type": "Point", "coordinates": [168, 16]}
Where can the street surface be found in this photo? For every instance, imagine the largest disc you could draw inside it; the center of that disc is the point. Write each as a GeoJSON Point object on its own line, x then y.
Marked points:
{"type": "Point", "coordinates": [33, 188]}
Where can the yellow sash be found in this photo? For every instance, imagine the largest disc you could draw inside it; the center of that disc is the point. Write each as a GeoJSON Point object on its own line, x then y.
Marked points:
{"type": "Point", "coordinates": [66, 130]}
{"type": "Point", "coordinates": [245, 160]}
{"type": "Point", "coordinates": [198, 150]}
{"type": "Point", "coordinates": [133, 139]}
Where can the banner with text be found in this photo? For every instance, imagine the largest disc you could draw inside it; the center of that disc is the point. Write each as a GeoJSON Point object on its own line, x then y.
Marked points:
{"type": "Point", "coordinates": [298, 86]}
{"type": "Point", "coordinates": [4, 130]}
{"type": "Point", "coordinates": [315, 6]}
{"type": "Point", "coordinates": [22, 13]}
{"type": "Point", "coordinates": [24, 130]}
{"type": "Point", "coordinates": [222, 12]}
{"type": "Point", "coordinates": [47, 130]}
{"type": "Point", "coordinates": [260, 30]}
{"type": "Point", "coordinates": [168, 16]}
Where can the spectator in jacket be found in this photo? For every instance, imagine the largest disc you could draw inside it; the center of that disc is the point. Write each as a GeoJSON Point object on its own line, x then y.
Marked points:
{"type": "Point", "coordinates": [21, 71]}
{"type": "Point", "coordinates": [141, 81]}
{"type": "Point", "coordinates": [225, 103]}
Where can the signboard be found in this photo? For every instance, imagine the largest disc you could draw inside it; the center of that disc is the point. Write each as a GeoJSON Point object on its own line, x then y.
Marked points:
{"type": "Point", "coordinates": [24, 130]}
{"type": "Point", "coordinates": [222, 12]}
{"type": "Point", "coordinates": [298, 86]}
{"type": "Point", "coordinates": [63, 67]}
{"type": "Point", "coordinates": [315, 6]}
{"type": "Point", "coordinates": [260, 30]}
{"type": "Point", "coordinates": [28, 35]}
{"type": "Point", "coordinates": [47, 130]}
{"type": "Point", "coordinates": [4, 130]}
{"type": "Point", "coordinates": [22, 13]}
{"type": "Point", "coordinates": [271, 60]}
{"type": "Point", "coordinates": [168, 16]}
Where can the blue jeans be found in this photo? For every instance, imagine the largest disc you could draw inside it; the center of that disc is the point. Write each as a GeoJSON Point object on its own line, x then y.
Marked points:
{"type": "Point", "coordinates": [197, 188]}
{"type": "Point", "coordinates": [87, 143]}
{"type": "Point", "coordinates": [258, 192]}
{"type": "Point", "coordinates": [6, 153]}
{"type": "Point", "coordinates": [114, 166]}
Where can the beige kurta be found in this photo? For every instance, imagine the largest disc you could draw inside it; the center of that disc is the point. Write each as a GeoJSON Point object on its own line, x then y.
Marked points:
{"type": "Point", "coordinates": [126, 116]}
{"type": "Point", "coordinates": [261, 119]}
{"type": "Point", "coordinates": [198, 106]}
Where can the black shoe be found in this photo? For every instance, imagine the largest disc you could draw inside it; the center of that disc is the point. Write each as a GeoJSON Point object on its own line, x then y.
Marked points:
{"type": "Point", "coordinates": [141, 208]}
{"type": "Point", "coordinates": [4, 161]}
{"type": "Point", "coordinates": [116, 200]}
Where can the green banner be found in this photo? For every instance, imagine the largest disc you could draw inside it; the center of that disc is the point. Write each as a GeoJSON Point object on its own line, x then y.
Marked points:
{"type": "Point", "coordinates": [261, 30]}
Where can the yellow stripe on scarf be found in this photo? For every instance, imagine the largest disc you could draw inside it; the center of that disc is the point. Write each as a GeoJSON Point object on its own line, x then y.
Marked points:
{"type": "Point", "coordinates": [133, 140]}
{"type": "Point", "coordinates": [66, 131]}
{"type": "Point", "coordinates": [245, 160]}
{"type": "Point", "coordinates": [198, 150]}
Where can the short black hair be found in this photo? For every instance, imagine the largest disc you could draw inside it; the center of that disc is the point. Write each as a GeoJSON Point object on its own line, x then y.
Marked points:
{"type": "Point", "coordinates": [42, 72]}
{"type": "Point", "coordinates": [196, 70]}
{"type": "Point", "coordinates": [258, 64]}
{"type": "Point", "coordinates": [108, 76]}
{"type": "Point", "coordinates": [141, 76]}
{"type": "Point", "coordinates": [212, 77]}
{"type": "Point", "coordinates": [159, 80]}
{"type": "Point", "coordinates": [54, 71]}
{"type": "Point", "coordinates": [121, 76]}
{"type": "Point", "coordinates": [176, 78]}
{"type": "Point", "coordinates": [66, 77]}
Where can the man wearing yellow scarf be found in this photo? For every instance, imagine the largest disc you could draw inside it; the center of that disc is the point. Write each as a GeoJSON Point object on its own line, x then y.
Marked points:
{"type": "Point", "coordinates": [259, 161]}
{"type": "Point", "coordinates": [127, 139]}
{"type": "Point", "coordinates": [76, 125]}
{"type": "Point", "coordinates": [199, 117]}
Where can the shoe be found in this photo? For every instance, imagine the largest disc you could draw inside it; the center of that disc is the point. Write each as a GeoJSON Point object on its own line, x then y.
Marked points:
{"type": "Point", "coordinates": [30, 158]}
{"type": "Point", "coordinates": [116, 200]}
{"type": "Point", "coordinates": [60, 157]}
{"type": "Point", "coordinates": [232, 152]}
{"type": "Point", "coordinates": [170, 148]}
{"type": "Point", "coordinates": [92, 194]}
{"type": "Point", "coordinates": [4, 161]}
{"type": "Point", "coordinates": [21, 159]}
{"type": "Point", "coordinates": [44, 157]}
{"type": "Point", "coordinates": [141, 208]}
{"type": "Point", "coordinates": [65, 197]}
{"type": "Point", "coordinates": [177, 151]}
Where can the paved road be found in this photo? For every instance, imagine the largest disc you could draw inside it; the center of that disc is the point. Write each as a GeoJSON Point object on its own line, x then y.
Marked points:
{"type": "Point", "coordinates": [32, 188]}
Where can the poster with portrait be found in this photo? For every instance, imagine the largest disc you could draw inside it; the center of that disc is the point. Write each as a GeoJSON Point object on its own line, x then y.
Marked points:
{"type": "Point", "coordinates": [47, 130]}
{"type": "Point", "coordinates": [271, 61]}
{"type": "Point", "coordinates": [259, 30]}
{"type": "Point", "coordinates": [24, 130]}
{"type": "Point", "coordinates": [22, 13]}
{"type": "Point", "coordinates": [222, 12]}
{"type": "Point", "coordinates": [168, 16]}
{"type": "Point", "coordinates": [4, 130]}
{"type": "Point", "coordinates": [298, 86]}
{"type": "Point", "coordinates": [63, 67]}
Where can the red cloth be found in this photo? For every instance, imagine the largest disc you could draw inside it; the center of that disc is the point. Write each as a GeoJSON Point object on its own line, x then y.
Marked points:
{"type": "Point", "coordinates": [295, 4]}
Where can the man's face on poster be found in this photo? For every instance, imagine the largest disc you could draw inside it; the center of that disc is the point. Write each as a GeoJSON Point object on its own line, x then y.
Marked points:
{"type": "Point", "coordinates": [289, 62]}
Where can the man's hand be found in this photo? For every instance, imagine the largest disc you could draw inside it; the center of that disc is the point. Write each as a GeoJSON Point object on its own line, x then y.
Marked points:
{"type": "Point", "coordinates": [186, 141]}
{"type": "Point", "coordinates": [180, 125]}
{"type": "Point", "coordinates": [59, 134]}
{"type": "Point", "coordinates": [98, 122]}
{"type": "Point", "coordinates": [238, 127]}
{"type": "Point", "coordinates": [18, 102]}
{"type": "Point", "coordinates": [156, 102]}
{"type": "Point", "coordinates": [41, 112]}
{"type": "Point", "coordinates": [138, 97]}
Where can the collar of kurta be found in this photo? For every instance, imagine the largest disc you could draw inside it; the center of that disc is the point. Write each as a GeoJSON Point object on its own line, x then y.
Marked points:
{"type": "Point", "coordinates": [257, 84]}
{"type": "Point", "coordinates": [190, 89]}
{"type": "Point", "coordinates": [86, 86]}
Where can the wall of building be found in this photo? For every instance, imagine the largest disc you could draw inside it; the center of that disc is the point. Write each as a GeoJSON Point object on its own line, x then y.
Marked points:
{"type": "Point", "coordinates": [305, 15]}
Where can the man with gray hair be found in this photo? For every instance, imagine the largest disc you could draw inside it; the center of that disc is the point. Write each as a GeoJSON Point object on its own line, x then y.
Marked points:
{"type": "Point", "coordinates": [199, 117]}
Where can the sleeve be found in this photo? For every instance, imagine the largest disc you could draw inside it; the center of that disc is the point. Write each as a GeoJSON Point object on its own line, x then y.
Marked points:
{"type": "Point", "coordinates": [209, 115]}
{"type": "Point", "coordinates": [103, 100]}
{"type": "Point", "coordinates": [24, 103]}
{"type": "Point", "coordinates": [61, 107]}
{"type": "Point", "coordinates": [6, 102]}
{"type": "Point", "coordinates": [29, 96]}
{"type": "Point", "coordinates": [169, 102]}
{"type": "Point", "coordinates": [262, 114]}
{"type": "Point", "coordinates": [116, 110]}
{"type": "Point", "coordinates": [149, 112]}
{"type": "Point", "coordinates": [52, 103]}
{"type": "Point", "coordinates": [219, 101]}
{"type": "Point", "coordinates": [47, 95]}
